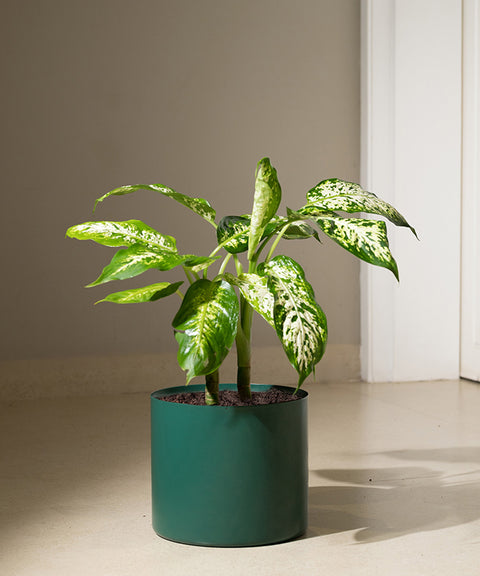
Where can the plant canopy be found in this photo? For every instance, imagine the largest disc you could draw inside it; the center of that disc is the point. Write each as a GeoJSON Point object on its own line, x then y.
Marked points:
{"type": "Point", "coordinates": [214, 313]}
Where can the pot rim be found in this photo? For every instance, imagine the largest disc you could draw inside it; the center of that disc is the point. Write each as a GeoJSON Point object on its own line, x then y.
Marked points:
{"type": "Point", "coordinates": [163, 392]}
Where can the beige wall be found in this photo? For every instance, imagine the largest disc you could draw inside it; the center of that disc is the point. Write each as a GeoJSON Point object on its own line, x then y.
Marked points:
{"type": "Point", "coordinates": [187, 93]}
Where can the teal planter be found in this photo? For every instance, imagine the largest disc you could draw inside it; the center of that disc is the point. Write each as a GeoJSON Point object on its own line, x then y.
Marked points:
{"type": "Point", "coordinates": [229, 476]}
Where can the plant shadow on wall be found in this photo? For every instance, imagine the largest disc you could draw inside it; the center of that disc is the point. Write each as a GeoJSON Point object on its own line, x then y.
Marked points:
{"type": "Point", "coordinates": [385, 503]}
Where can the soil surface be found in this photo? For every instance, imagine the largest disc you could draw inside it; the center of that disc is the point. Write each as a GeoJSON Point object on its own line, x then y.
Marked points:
{"type": "Point", "coordinates": [230, 398]}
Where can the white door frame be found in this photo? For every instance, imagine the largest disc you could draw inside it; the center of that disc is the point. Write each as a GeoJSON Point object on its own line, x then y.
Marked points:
{"type": "Point", "coordinates": [470, 309]}
{"type": "Point", "coordinates": [411, 157]}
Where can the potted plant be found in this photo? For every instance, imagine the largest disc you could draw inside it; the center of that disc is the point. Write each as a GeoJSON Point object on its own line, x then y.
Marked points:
{"type": "Point", "coordinates": [236, 475]}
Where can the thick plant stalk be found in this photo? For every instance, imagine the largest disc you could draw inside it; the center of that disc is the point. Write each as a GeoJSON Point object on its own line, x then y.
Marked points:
{"type": "Point", "coordinates": [211, 388]}
{"type": "Point", "coordinates": [244, 350]}
{"type": "Point", "coordinates": [243, 383]}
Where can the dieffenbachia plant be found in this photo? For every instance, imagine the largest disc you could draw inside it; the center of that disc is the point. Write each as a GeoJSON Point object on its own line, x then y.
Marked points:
{"type": "Point", "coordinates": [214, 313]}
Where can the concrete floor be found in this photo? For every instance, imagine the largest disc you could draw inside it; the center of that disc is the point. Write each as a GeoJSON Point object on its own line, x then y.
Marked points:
{"type": "Point", "coordinates": [394, 488]}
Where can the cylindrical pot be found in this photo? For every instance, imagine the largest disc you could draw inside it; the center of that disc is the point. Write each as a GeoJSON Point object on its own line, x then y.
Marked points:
{"type": "Point", "coordinates": [229, 475]}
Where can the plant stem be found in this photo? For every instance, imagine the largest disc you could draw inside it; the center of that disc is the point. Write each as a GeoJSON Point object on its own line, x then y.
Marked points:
{"type": "Point", "coordinates": [217, 249]}
{"type": "Point", "coordinates": [277, 240]}
{"type": "Point", "coordinates": [224, 264]}
{"type": "Point", "coordinates": [188, 275]}
{"type": "Point", "coordinates": [243, 383]}
{"type": "Point", "coordinates": [244, 350]}
{"type": "Point", "coordinates": [211, 388]}
{"type": "Point", "coordinates": [261, 247]}
{"type": "Point", "coordinates": [238, 265]}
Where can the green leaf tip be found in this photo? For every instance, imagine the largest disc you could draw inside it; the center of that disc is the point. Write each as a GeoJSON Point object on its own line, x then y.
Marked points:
{"type": "Point", "coordinates": [365, 239]}
{"type": "Point", "coordinates": [150, 293]}
{"type": "Point", "coordinates": [267, 198]}
{"type": "Point", "coordinates": [197, 205]}
{"type": "Point", "coordinates": [336, 194]}
{"type": "Point", "coordinates": [135, 260]}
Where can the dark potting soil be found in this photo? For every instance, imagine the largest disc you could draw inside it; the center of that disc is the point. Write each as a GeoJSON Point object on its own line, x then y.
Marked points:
{"type": "Point", "coordinates": [231, 398]}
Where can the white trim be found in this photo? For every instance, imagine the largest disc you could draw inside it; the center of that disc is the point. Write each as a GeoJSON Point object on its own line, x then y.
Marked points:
{"type": "Point", "coordinates": [377, 173]}
{"type": "Point", "coordinates": [411, 157]}
{"type": "Point", "coordinates": [470, 325]}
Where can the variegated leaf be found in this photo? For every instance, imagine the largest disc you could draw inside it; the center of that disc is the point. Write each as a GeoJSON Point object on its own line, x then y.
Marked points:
{"type": "Point", "coordinates": [232, 232]}
{"type": "Point", "coordinates": [255, 291]}
{"type": "Point", "coordinates": [366, 239]}
{"type": "Point", "coordinates": [300, 323]}
{"type": "Point", "coordinates": [268, 195]}
{"type": "Point", "coordinates": [335, 194]}
{"type": "Point", "coordinates": [144, 294]}
{"type": "Point", "coordinates": [135, 260]}
{"type": "Point", "coordinates": [298, 229]}
{"type": "Point", "coordinates": [206, 326]}
{"type": "Point", "coordinates": [122, 234]}
{"type": "Point", "coordinates": [197, 205]}
{"type": "Point", "coordinates": [199, 263]}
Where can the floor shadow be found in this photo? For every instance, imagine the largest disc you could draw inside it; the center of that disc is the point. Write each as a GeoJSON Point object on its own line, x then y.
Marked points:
{"type": "Point", "coordinates": [384, 503]}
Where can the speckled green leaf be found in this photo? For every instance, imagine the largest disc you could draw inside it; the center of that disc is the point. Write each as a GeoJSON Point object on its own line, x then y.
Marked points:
{"type": "Point", "coordinates": [366, 239]}
{"type": "Point", "coordinates": [199, 263]}
{"type": "Point", "coordinates": [122, 234]}
{"type": "Point", "coordinates": [206, 326]}
{"type": "Point", "coordinates": [298, 229]}
{"type": "Point", "coordinates": [255, 291]}
{"type": "Point", "coordinates": [232, 232]}
{"type": "Point", "coordinates": [335, 194]}
{"type": "Point", "coordinates": [135, 260]}
{"type": "Point", "coordinates": [268, 195]}
{"type": "Point", "coordinates": [145, 294]}
{"type": "Point", "coordinates": [198, 205]}
{"type": "Point", "coordinates": [300, 323]}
